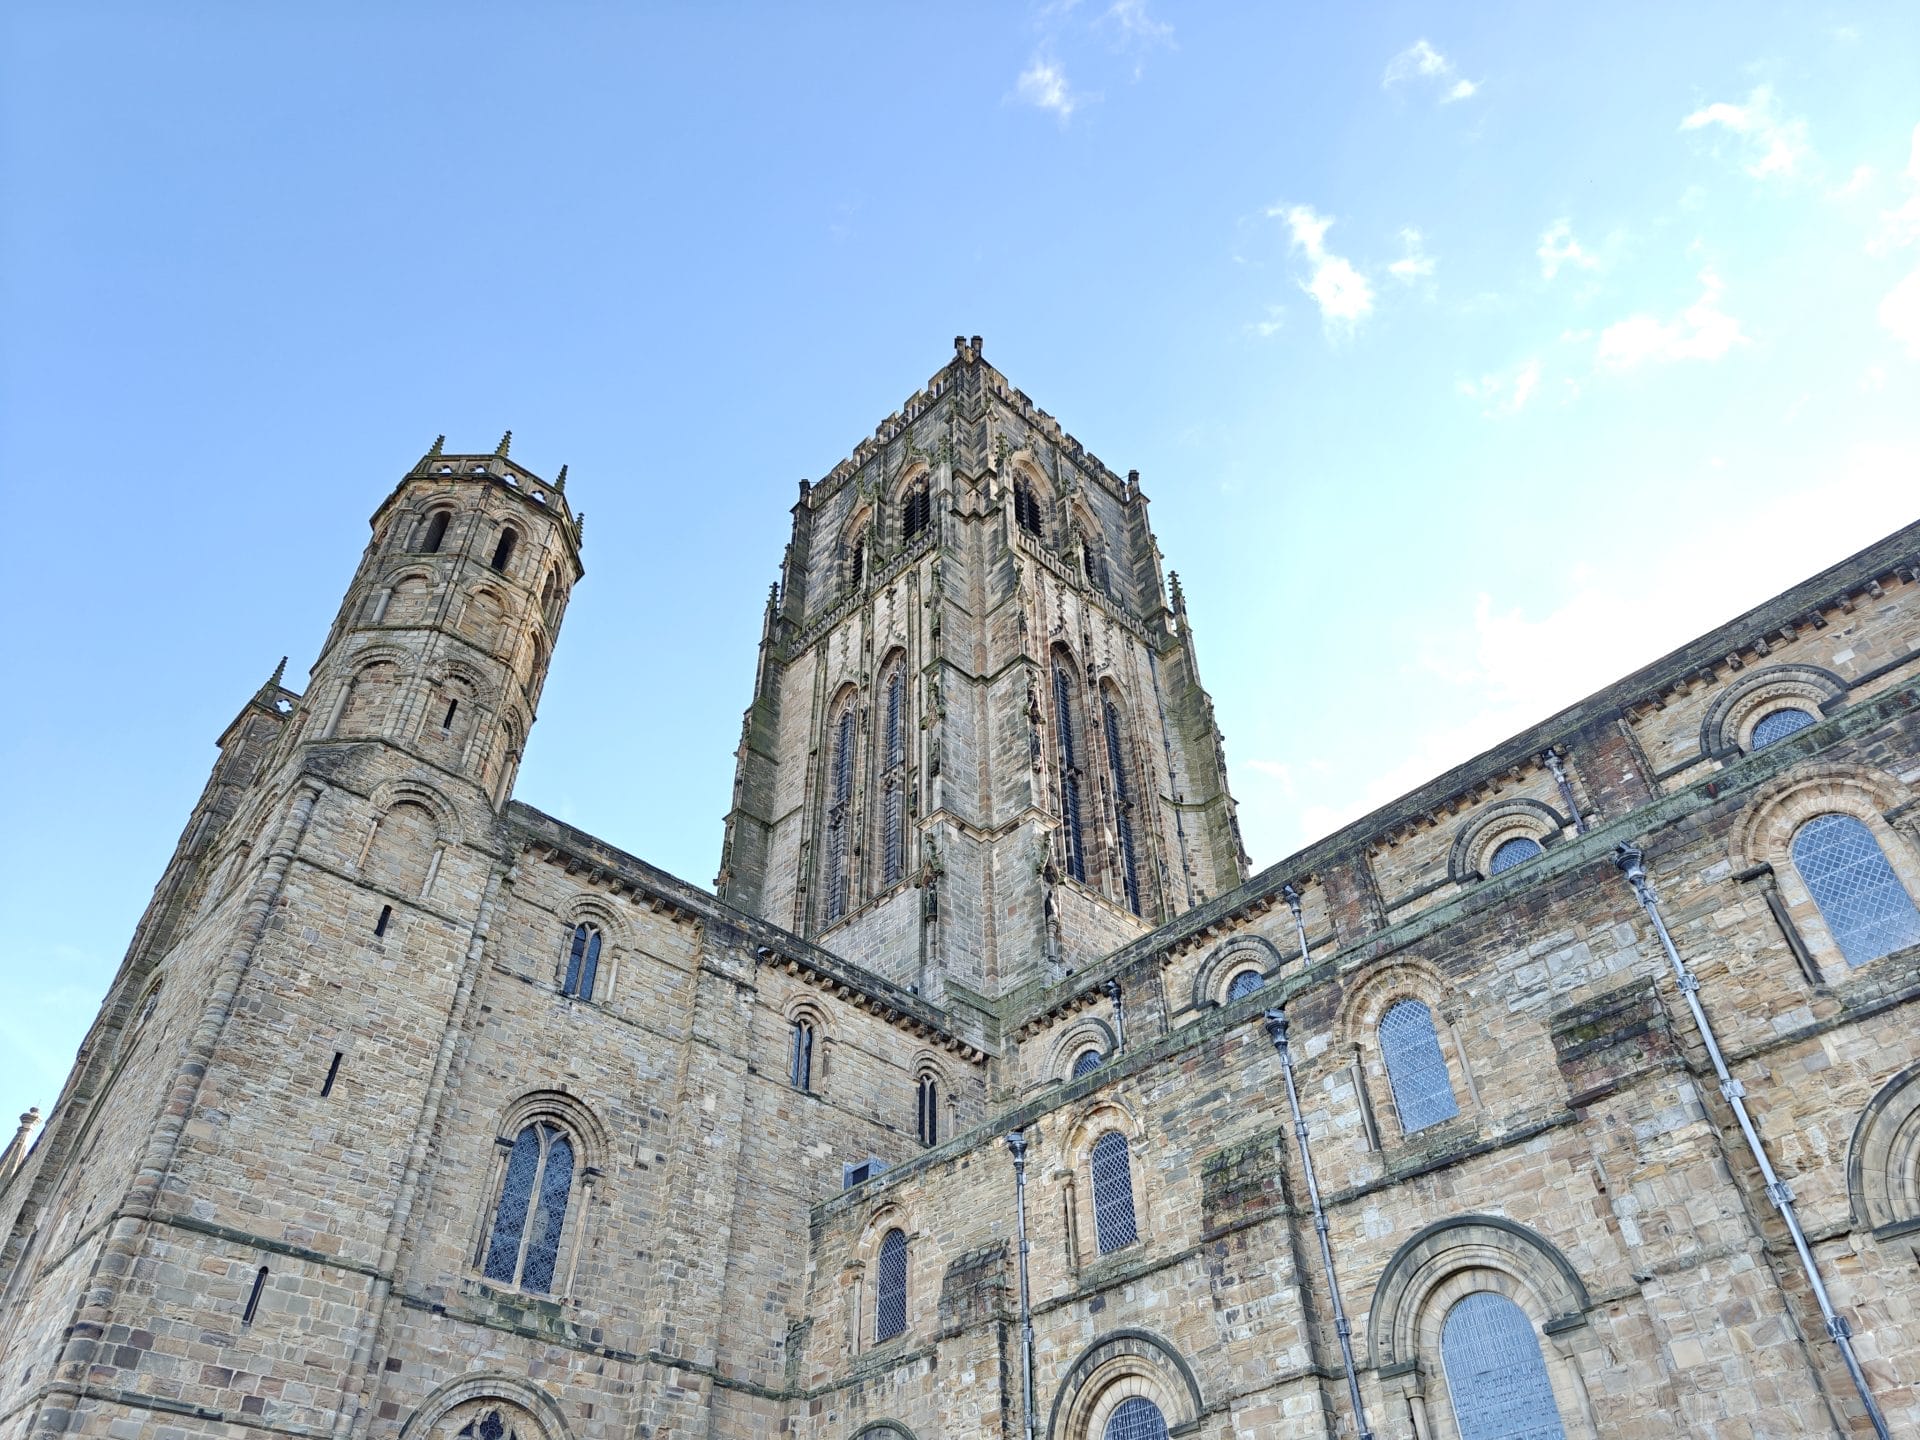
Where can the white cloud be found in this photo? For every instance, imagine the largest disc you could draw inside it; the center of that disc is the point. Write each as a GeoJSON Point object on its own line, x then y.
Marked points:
{"type": "Point", "coordinates": [1421, 62]}
{"type": "Point", "coordinates": [1703, 331]}
{"type": "Point", "coordinates": [1135, 26]}
{"type": "Point", "coordinates": [1415, 264]}
{"type": "Point", "coordinates": [1044, 84]}
{"type": "Point", "coordinates": [1900, 313]}
{"type": "Point", "coordinates": [1774, 145]}
{"type": "Point", "coordinates": [1274, 323]}
{"type": "Point", "coordinates": [1344, 295]}
{"type": "Point", "coordinates": [1504, 392]}
{"type": "Point", "coordinates": [1558, 247]}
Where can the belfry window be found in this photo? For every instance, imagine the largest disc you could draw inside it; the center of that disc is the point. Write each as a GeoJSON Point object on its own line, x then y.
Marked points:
{"type": "Point", "coordinates": [1416, 1070]}
{"type": "Point", "coordinates": [1778, 724]}
{"type": "Point", "coordinates": [1070, 833]}
{"type": "Point", "coordinates": [857, 564]}
{"type": "Point", "coordinates": [1026, 509]}
{"type": "Point", "coordinates": [893, 757]}
{"type": "Point", "coordinates": [1510, 853]}
{"type": "Point", "coordinates": [583, 962]}
{"type": "Point", "coordinates": [839, 814]}
{"type": "Point", "coordinates": [1113, 1193]}
{"type": "Point", "coordinates": [916, 511]}
{"type": "Point", "coordinates": [503, 552]}
{"type": "Point", "coordinates": [524, 1244]}
{"type": "Point", "coordinates": [800, 1057]}
{"type": "Point", "coordinates": [1495, 1376]}
{"type": "Point", "coordinates": [927, 1110]}
{"type": "Point", "coordinates": [436, 532]}
{"type": "Point", "coordinates": [1122, 804]}
{"type": "Point", "coordinates": [890, 1294]}
{"type": "Point", "coordinates": [1136, 1418]}
{"type": "Point", "coordinates": [1860, 898]}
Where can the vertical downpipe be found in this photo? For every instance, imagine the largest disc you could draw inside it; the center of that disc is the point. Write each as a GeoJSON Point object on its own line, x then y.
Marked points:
{"type": "Point", "coordinates": [1017, 1144]}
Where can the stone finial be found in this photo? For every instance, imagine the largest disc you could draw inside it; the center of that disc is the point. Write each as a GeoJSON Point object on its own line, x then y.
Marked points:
{"type": "Point", "coordinates": [1179, 595]}
{"type": "Point", "coordinates": [560, 480]}
{"type": "Point", "coordinates": [439, 444]}
{"type": "Point", "coordinates": [506, 443]}
{"type": "Point", "coordinates": [976, 347]}
{"type": "Point", "coordinates": [279, 671]}
{"type": "Point", "coordinates": [16, 1150]}
{"type": "Point", "coordinates": [959, 344]}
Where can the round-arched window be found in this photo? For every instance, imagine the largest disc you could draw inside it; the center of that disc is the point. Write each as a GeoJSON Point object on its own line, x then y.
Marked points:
{"type": "Point", "coordinates": [1496, 1378]}
{"type": "Point", "coordinates": [1136, 1418]}
{"type": "Point", "coordinates": [1244, 984]}
{"type": "Point", "coordinates": [1778, 724]}
{"type": "Point", "coordinates": [1086, 1062]}
{"type": "Point", "coordinates": [1858, 894]}
{"type": "Point", "coordinates": [1513, 852]}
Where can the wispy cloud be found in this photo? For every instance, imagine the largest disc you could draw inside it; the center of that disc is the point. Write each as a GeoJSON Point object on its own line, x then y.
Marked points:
{"type": "Point", "coordinates": [1135, 30]}
{"type": "Point", "coordinates": [1504, 392]}
{"type": "Point", "coordinates": [1703, 331]}
{"type": "Point", "coordinates": [1415, 263]}
{"type": "Point", "coordinates": [1043, 84]}
{"type": "Point", "coordinates": [1423, 64]}
{"type": "Point", "coordinates": [1273, 324]}
{"type": "Point", "coordinates": [1344, 295]}
{"type": "Point", "coordinates": [1558, 248]}
{"type": "Point", "coordinates": [1773, 144]}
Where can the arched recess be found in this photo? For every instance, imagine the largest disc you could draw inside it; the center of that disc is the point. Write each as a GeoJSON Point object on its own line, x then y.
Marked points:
{"type": "Point", "coordinates": [884, 1430]}
{"type": "Point", "coordinates": [483, 618]}
{"type": "Point", "coordinates": [1493, 826]}
{"type": "Point", "coordinates": [1883, 1162]}
{"type": "Point", "coordinates": [1024, 473]}
{"type": "Point", "coordinates": [1074, 1175]}
{"type": "Point", "coordinates": [1087, 1033]}
{"type": "Point", "coordinates": [1362, 1012]}
{"type": "Point", "coordinates": [1114, 1368]}
{"type": "Point", "coordinates": [1228, 958]}
{"type": "Point", "coordinates": [370, 699]}
{"type": "Point", "coordinates": [587, 908]}
{"type": "Point", "coordinates": [444, 1413]}
{"type": "Point", "coordinates": [1727, 727]}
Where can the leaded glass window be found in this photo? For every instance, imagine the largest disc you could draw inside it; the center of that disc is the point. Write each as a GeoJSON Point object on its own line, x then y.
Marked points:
{"type": "Point", "coordinates": [1244, 984]}
{"type": "Point", "coordinates": [1495, 1375]}
{"type": "Point", "coordinates": [524, 1243]}
{"type": "Point", "coordinates": [800, 1061]}
{"type": "Point", "coordinates": [1778, 724]}
{"type": "Point", "coordinates": [1113, 1193]}
{"type": "Point", "coordinates": [1512, 852]}
{"type": "Point", "coordinates": [927, 1110]}
{"type": "Point", "coordinates": [1085, 1062]}
{"type": "Point", "coordinates": [1075, 843]}
{"type": "Point", "coordinates": [1122, 804]}
{"type": "Point", "coordinates": [1422, 1091]}
{"type": "Point", "coordinates": [1136, 1418]}
{"type": "Point", "coordinates": [488, 1426]}
{"type": "Point", "coordinates": [1860, 898]}
{"type": "Point", "coordinates": [583, 962]}
{"type": "Point", "coordinates": [890, 1295]}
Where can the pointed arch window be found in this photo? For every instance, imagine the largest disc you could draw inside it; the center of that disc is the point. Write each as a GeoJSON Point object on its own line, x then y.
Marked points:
{"type": "Point", "coordinates": [1122, 803]}
{"type": "Point", "coordinates": [893, 758]}
{"type": "Point", "coordinates": [1416, 1070]}
{"type": "Point", "coordinates": [927, 1110]}
{"type": "Point", "coordinates": [524, 1243]}
{"type": "Point", "coordinates": [436, 532]}
{"type": "Point", "coordinates": [1495, 1374]}
{"type": "Point", "coordinates": [1113, 1219]}
{"type": "Point", "coordinates": [1071, 836]}
{"type": "Point", "coordinates": [1863, 902]}
{"type": "Point", "coordinates": [1026, 509]}
{"type": "Point", "coordinates": [890, 1294]}
{"type": "Point", "coordinates": [583, 962]}
{"type": "Point", "coordinates": [800, 1056]}
{"type": "Point", "coordinates": [839, 813]}
{"type": "Point", "coordinates": [1778, 724]}
{"type": "Point", "coordinates": [1135, 1418]}
{"type": "Point", "coordinates": [916, 510]}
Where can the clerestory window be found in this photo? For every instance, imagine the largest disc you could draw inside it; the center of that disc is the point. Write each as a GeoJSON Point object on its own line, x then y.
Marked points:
{"type": "Point", "coordinates": [1865, 906]}
{"type": "Point", "coordinates": [890, 1294]}
{"type": "Point", "coordinates": [1113, 1219]}
{"type": "Point", "coordinates": [583, 962]}
{"type": "Point", "coordinates": [1416, 1070]}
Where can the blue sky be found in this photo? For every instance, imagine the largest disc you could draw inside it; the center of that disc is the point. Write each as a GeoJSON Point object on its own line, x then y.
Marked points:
{"type": "Point", "coordinates": [1471, 355]}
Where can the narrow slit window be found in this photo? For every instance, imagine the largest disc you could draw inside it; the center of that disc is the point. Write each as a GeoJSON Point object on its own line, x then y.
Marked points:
{"type": "Point", "coordinates": [333, 1073]}
{"type": "Point", "coordinates": [253, 1298]}
{"type": "Point", "coordinates": [1074, 841]}
{"type": "Point", "coordinates": [583, 962]}
{"type": "Point", "coordinates": [927, 1110]}
{"type": "Point", "coordinates": [386, 915]}
{"type": "Point", "coordinates": [446, 723]}
{"type": "Point", "coordinates": [800, 1068]}
{"type": "Point", "coordinates": [857, 566]}
{"type": "Point", "coordinates": [839, 815]}
{"type": "Point", "coordinates": [503, 552]}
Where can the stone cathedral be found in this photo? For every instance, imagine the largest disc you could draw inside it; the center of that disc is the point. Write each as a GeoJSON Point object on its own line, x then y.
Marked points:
{"type": "Point", "coordinates": [988, 1093]}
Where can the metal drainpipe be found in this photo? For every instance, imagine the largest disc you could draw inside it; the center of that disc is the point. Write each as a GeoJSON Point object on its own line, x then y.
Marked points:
{"type": "Point", "coordinates": [1277, 1032]}
{"type": "Point", "coordinates": [1631, 860]}
{"type": "Point", "coordinates": [1112, 987]}
{"type": "Point", "coordinates": [1292, 897]}
{"type": "Point", "coordinates": [1017, 1144]}
{"type": "Point", "coordinates": [1553, 762]}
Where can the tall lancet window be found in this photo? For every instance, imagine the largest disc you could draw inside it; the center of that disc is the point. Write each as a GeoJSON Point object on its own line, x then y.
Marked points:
{"type": "Point", "coordinates": [893, 767]}
{"type": "Point", "coordinates": [524, 1243]}
{"type": "Point", "coordinates": [839, 812]}
{"type": "Point", "coordinates": [1122, 802]}
{"type": "Point", "coordinates": [1070, 831]}
{"type": "Point", "coordinates": [916, 511]}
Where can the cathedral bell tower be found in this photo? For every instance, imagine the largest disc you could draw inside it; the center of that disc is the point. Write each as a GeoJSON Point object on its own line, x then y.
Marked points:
{"type": "Point", "coordinates": [978, 753]}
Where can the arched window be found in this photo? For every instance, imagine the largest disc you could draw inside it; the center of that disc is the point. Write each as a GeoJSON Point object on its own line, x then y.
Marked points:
{"type": "Point", "coordinates": [1026, 509]}
{"type": "Point", "coordinates": [1071, 836]}
{"type": "Point", "coordinates": [1495, 1376]}
{"type": "Point", "coordinates": [436, 532]}
{"type": "Point", "coordinates": [1113, 1193]}
{"type": "Point", "coordinates": [583, 961]}
{"type": "Point", "coordinates": [857, 563]}
{"type": "Point", "coordinates": [1422, 1092]}
{"type": "Point", "coordinates": [916, 511]}
{"type": "Point", "coordinates": [525, 1240]}
{"type": "Point", "coordinates": [1860, 898]}
{"type": "Point", "coordinates": [1086, 1062]}
{"type": "Point", "coordinates": [1094, 563]}
{"type": "Point", "coordinates": [839, 812]}
{"type": "Point", "coordinates": [488, 1426]}
{"type": "Point", "coordinates": [503, 552]}
{"type": "Point", "coordinates": [1136, 1418]}
{"type": "Point", "coordinates": [890, 1295]}
{"type": "Point", "coordinates": [1244, 984]}
{"type": "Point", "coordinates": [1122, 803]}
{"type": "Point", "coordinates": [1510, 853]}
{"type": "Point", "coordinates": [927, 1110]}
{"type": "Point", "coordinates": [1778, 724]}
{"type": "Point", "coordinates": [550, 598]}
{"type": "Point", "coordinates": [800, 1059]}
{"type": "Point", "coordinates": [893, 831]}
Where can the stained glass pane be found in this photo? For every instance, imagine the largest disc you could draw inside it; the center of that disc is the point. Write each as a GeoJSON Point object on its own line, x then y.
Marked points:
{"type": "Point", "coordinates": [1136, 1419]}
{"type": "Point", "coordinates": [543, 1244]}
{"type": "Point", "coordinates": [1495, 1374]}
{"type": "Point", "coordinates": [1244, 984]}
{"type": "Point", "coordinates": [1778, 724]}
{"type": "Point", "coordinates": [1512, 852]}
{"type": "Point", "coordinates": [1113, 1193]}
{"type": "Point", "coordinates": [591, 967]}
{"type": "Point", "coordinates": [890, 1296]}
{"type": "Point", "coordinates": [510, 1220]}
{"type": "Point", "coordinates": [1422, 1092]}
{"type": "Point", "coordinates": [1086, 1061]}
{"type": "Point", "coordinates": [1860, 898]}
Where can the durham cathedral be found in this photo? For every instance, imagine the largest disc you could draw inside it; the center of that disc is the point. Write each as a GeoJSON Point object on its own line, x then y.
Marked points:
{"type": "Point", "coordinates": [988, 1092]}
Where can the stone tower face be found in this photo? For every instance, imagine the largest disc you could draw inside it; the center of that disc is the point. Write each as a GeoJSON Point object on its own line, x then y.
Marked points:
{"type": "Point", "coordinates": [978, 752]}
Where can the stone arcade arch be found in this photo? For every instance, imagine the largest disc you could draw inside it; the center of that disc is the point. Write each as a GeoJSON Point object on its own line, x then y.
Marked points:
{"type": "Point", "coordinates": [1113, 1369]}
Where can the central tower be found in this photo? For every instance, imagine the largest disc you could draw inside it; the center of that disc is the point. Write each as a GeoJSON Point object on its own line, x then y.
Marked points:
{"type": "Point", "coordinates": [978, 753]}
